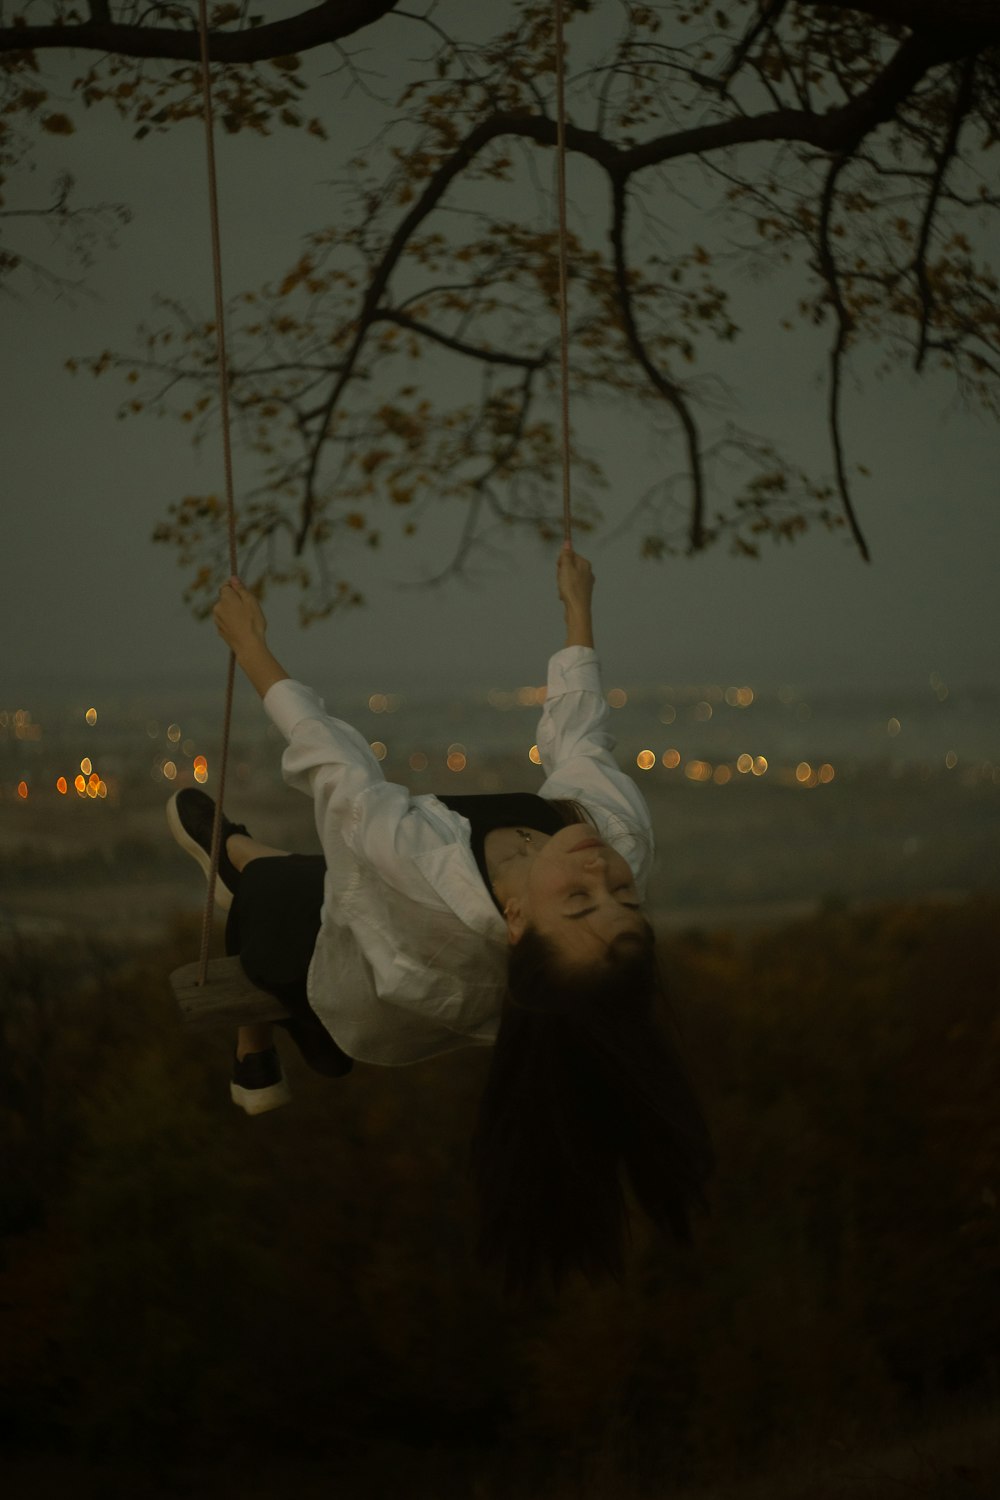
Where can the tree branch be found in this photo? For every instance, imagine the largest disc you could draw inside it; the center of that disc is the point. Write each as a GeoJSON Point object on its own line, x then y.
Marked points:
{"type": "Point", "coordinates": [844, 325]}
{"type": "Point", "coordinates": [670, 392]}
{"type": "Point", "coordinates": [329, 22]}
{"type": "Point", "coordinates": [963, 101]}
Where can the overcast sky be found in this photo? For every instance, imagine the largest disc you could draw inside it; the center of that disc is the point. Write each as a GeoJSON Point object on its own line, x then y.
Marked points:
{"type": "Point", "coordinates": [86, 597]}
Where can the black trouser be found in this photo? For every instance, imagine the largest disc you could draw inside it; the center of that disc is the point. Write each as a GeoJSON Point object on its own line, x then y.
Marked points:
{"type": "Point", "coordinates": [273, 925]}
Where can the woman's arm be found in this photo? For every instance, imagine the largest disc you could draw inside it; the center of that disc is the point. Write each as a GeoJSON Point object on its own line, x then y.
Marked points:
{"type": "Point", "coordinates": [240, 621]}
{"type": "Point", "coordinates": [575, 581]}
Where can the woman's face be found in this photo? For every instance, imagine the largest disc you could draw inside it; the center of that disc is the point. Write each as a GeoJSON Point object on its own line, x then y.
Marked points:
{"type": "Point", "coordinates": [574, 889]}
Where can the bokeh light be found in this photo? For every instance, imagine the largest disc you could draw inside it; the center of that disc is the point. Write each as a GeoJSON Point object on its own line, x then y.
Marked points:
{"type": "Point", "coordinates": [744, 764]}
{"type": "Point", "coordinates": [174, 733]}
{"type": "Point", "coordinates": [951, 760]}
{"type": "Point", "coordinates": [91, 716]}
{"type": "Point", "coordinates": [62, 786]}
{"type": "Point", "coordinates": [703, 711]}
{"type": "Point", "coordinates": [534, 756]}
{"type": "Point", "coordinates": [85, 765]}
{"type": "Point", "coordinates": [671, 759]}
{"type": "Point", "coordinates": [81, 785]}
{"type": "Point", "coordinates": [379, 749]}
{"type": "Point", "coordinates": [457, 761]}
{"type": "Point", "coordinates": [22, 790]}
{"type": "Point", "coordinates": [645, 760]}
{"type": "Point", "coordinates": [721, 775]}
{"type": "Point", "coordinates": [893, 727]}
{"type": "Point", "coordinates": [759, 765]}
{"type": "Point", "coordinates": [668, 713]}
{"type": "Point", "coordinates": [617, 698]}
{"type": "Point", "coordinates": [169, 770]}
{"type": "Point", "coordinates": [418, 761]}
{"type": "Point", "coordinates": [826, 772]}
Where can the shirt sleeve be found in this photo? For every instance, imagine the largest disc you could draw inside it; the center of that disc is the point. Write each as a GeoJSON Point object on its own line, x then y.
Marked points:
{"type": "Point", "coordinates": [325, 758]}
{"type": "Point", "coordinates": [576, 747]}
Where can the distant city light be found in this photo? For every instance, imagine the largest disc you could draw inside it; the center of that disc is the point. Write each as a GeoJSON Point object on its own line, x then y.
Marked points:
{"type": "Point", "coordinates": [698, 770]}
{"type": "Point", "coordinates": [671, 759]}
{"type": "Point", "coordinates": [91, 716]}
{"type": "Point", "coordinates": [645, 760]}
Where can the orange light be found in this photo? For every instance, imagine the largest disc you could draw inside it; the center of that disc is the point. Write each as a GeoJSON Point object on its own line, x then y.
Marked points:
{"type": "Point", "coordinates": [698, 770]}
{"type": "Point", "coordinates": [81, 785]}
{"type": "Point", "coordinates": [91, 790]}
{"type": "Point", "coordinates": [91, 716]}
{"type": "Point", "coordinates": [174, 733]}
{"type": "Point", "coordinates": [722, 775]}
{"type": "Point", "coordinates": [22, 789]}
{"type": "Point", "coordinates": [200, 763]}
{"type": "Point", "coordinates": [169, 770]}
{"type": "Point", "coordinates": [617, 698]}
{"type": "Point", "coordinates": [457, 761]}
{"type": "Point", "coordinates": [759, 766]}
{"type": "Point", "coordinates": [671, 759]}
{"type": "Point", "coordinates": [803, 771]}
{"type": "Point", "coordinates": [418, 761]}
{"type": "Point", "coordinates": [93, 779]}
{"type": "Point", "coordinates": [379, 750]}
{"type": "Point", "coordinates": [826, 772]}
{"type": "Point", "coordinates": [745, 764]}
{"type": "Point", "coordinates": [61, 786]}
{"type": "Point", "coordinates": [102, 790]}
{"type": "Point", "coordinates": [85, 765]}
{"type": "Point", "coordinates": [200, 774]}
{"type": "Point", "coordinates": [534, 756]}
{"type": "Point", "coordinates": [645, 760]}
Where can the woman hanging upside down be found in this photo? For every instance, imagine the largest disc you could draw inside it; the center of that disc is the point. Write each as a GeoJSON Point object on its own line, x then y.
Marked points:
{"type": "Point", "coordinates": [511, 920]}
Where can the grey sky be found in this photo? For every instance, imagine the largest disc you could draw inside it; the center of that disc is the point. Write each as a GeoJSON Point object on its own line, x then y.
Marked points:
{"type": "Point", "coordinates": [87, 598]}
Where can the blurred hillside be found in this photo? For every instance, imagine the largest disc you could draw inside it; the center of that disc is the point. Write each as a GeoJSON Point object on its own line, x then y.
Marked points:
{"type": "Point", "coordinates": [198, 1303]}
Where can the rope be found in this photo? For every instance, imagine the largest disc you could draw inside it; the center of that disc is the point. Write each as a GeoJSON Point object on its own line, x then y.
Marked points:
{"type": "Point", "coordinates": [563, 294]}
{"type": "Point", "coordinates": [223, 367]}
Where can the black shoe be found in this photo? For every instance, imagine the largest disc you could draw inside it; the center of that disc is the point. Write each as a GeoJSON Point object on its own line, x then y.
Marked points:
{"type": "Point", "coordinates": [257, 1084]}
{"type": "Point", "coordinates": [190, 814]}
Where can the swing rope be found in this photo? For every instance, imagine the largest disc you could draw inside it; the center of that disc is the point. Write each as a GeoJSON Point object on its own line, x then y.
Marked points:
{"type": "Point", "coordinates": [223, 370]}
{"type": "Point", "coordinates": [563, 275]}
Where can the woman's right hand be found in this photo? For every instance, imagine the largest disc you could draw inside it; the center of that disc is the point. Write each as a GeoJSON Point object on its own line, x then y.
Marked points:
{"type": "Point", "coordinates": [239, 618]}
{"type": "Point", "coordinates": [575, 581]}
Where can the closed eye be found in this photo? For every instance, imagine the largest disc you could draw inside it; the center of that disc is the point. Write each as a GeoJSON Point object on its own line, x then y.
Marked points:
{"type": "Point", "coordinates": [575, 916]}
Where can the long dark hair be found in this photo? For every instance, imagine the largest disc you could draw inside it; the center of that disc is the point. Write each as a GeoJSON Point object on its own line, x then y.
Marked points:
{"type": "Point", "coordinates": [586, 1090]}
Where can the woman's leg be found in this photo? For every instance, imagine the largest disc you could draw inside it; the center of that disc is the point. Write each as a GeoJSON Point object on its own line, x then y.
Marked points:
{"type": "Point", "coordinates": [241, 850]}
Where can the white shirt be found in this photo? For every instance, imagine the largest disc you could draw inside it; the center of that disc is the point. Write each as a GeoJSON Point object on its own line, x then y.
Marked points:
{"type": "Point", "coordinates": [411, 958]}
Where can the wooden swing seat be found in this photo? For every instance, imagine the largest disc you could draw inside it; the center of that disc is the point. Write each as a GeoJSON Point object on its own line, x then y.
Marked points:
{"type": "Point", "coordinates": [226, 999]}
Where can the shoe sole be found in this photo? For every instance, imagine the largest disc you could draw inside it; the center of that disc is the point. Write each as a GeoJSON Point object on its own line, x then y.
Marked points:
{"type": "Point", "coordinates": [223, 895]}
{"type": "Point", "coordinates": [259, 1101]}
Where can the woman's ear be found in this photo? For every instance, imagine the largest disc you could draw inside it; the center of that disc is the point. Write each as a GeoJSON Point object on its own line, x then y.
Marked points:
{"type": "Point", "coordinates": [517, 925]}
